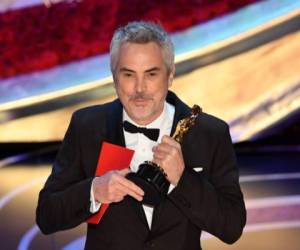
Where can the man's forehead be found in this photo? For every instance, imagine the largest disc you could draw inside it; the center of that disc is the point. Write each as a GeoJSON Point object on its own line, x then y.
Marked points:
{"type": "Point", "coordinates": [143, 57]}
{"type": "Point", "coordinates": [132, 48]}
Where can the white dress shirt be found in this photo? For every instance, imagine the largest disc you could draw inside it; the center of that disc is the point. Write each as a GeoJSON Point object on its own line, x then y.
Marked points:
{"type": "Point", "coordinates": [142, 146]}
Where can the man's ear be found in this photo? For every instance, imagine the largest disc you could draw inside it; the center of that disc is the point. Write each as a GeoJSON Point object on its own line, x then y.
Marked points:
{"type": "Point", "coordinates": [171, 76]}
{"type": "Point", "coordinates": [114, 81]}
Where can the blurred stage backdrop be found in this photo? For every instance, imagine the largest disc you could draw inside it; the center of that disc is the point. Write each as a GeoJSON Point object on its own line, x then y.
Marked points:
{"type": "Point", "coordinates": [237, 59]}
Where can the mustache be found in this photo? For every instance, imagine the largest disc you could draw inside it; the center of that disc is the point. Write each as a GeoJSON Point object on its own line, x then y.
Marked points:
{"type": "Point", "coordinates": [139, 96]}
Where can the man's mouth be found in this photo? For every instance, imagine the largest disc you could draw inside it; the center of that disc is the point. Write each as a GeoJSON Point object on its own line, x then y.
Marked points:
{"type": "Point", "coordinates": [140, 101]}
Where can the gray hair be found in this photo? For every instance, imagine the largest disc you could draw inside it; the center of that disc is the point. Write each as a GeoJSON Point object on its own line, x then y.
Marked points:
{"type": "Point", "coordinates": [141, 32]}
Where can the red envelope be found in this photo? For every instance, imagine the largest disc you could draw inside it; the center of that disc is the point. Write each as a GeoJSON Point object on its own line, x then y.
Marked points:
{"type": "Point", "coordinates": [112, 157]}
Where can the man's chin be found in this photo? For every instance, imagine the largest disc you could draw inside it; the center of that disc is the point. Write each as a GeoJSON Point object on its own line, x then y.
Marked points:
{"type": "Point", "coordinates": [140, 110]}
{"type": "Point", "coordinates": [141, 118]}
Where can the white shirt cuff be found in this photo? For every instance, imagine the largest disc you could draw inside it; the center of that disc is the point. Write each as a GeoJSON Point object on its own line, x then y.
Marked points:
{"type": "Point", "coordinates": [95, 205]}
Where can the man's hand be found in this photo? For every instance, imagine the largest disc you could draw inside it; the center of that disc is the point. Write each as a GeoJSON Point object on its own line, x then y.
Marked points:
{"type": "Point", "coordinates": [168, 156]}
{"type": "Point", "coordinates": [113, 187]}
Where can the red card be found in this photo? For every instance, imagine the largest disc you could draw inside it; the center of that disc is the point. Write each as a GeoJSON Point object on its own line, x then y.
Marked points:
{"type": "Point", "coordinates": [112, 157]}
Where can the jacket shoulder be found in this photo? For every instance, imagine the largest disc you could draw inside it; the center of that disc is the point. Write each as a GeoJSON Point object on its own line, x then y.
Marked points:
{"type": "Point", "coordinates": [212, 124]}
{"type": "Point", "coordinates": [92, 114]}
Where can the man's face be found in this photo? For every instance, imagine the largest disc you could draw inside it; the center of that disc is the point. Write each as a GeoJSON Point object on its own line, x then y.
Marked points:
{"type": "Point", "coordinates": [142, 81]}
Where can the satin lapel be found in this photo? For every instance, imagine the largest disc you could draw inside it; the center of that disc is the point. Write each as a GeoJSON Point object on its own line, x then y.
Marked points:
{"type": "Point", "coordinates": [181, 111]}
{"type": "Point", "coordinates": [114, 129]}
{"type": "Point", "coordinates": [115, 135]}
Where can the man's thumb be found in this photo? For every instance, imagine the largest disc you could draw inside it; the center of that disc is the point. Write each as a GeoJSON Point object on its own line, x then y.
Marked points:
{"type": "Point", "coordinates": [124, 171]}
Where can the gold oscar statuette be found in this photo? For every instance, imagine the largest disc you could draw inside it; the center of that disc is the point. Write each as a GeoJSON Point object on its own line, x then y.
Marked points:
{"type": "Point", "coordinates": [151, 177]}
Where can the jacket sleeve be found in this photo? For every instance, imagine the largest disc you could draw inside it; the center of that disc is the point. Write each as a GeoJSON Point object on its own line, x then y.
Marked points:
{"type": "Point", "coordinates": [214, 204]}
{"type": "Point", "coordinates": [64, 201]}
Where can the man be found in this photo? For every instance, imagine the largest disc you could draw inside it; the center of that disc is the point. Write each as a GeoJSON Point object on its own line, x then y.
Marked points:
{"type": "Point", "coordinates": [142, 64]}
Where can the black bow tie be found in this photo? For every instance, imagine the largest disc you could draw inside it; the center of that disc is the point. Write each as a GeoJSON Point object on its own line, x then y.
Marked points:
{"type": "Point", "coordinates": [151, 133]}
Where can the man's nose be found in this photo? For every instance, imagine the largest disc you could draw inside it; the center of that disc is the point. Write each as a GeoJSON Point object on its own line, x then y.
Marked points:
{"type": "Point", "coordinates": [140, 85]}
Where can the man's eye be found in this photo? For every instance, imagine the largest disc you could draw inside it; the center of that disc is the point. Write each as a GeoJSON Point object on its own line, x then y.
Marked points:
{"type": "Point", "coordinates": [127, 74]}
{"type": "Point", "coordinates": [152, 74]}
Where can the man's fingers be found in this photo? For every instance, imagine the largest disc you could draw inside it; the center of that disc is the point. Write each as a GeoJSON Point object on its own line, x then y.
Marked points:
{"type": "Point", "coordinates": [133, 194]}
{"type": "Point", "coordinates": [113, 186]}
{"type": "Point", "coordinates": [118, 192]}
{"type": "Point", "coordinates": [168, 145]}
{"type": "Point", "coordinates": [116, 195]}
{"type": "Point", "coordinates": [127, 186]}
{"type": "Point", "coordinates": [157, 161]}
{"type": "Point", "coordinates": [162, 148]}
{"type": "Point", "coordinates": [124, 172]}
{"type": "Point", "coordinates": [130, 185]}
{"type": "Point", "coordinates": [124, 190]}
{"type": "Point", "coordinates": [170, 141]}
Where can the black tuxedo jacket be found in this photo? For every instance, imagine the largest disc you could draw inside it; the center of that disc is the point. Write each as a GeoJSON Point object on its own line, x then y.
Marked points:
{"type": "Point", "coordinates": [209, 200]}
